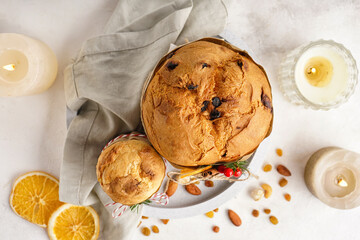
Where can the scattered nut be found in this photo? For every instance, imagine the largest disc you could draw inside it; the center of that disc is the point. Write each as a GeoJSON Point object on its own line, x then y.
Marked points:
{"type": "Point", "coordinates": [268, 190]}
{"type": "Point", "coordinates": [287, 197]}
{"type": "Point", "coordinates": [171, 188]}
{"type": "Point", "coordinates": [145, 231]}
{"type": "Point", "coordinates": [139, 224]}
{"type": "Point", "coordinates": [273, 220]}
{"type": "Point", "coordinates": [283, 182]}
{"type": "Point", "coordinates": [155, 229]}
{"type": "Point", "coordinates": [210, 214]}
{"type": "Point", "coordinates": [283, 170]}
{"type": "Point", "coordinates": [279, 152]}
{"type": "Point", "coordinates": [165, 221]}
{"type": "Point", "coordinates": [216, 229]}
{"type": "Point", "coordinates": [267, 211]}
{"type": "Point", "coordinates": [257, 194]}
{"type": "Point", "coordinates": [255, 213]}
{"type": "Point", "coordinates": [235, 219]}
{"type": "Point", "coordinates": [145, 217]}
{"type": "Point", "coordinates": [216, 210]}
{"type": "Point", "coordinates": [209, 183]}
{"type": "Point", "coordinates": [193, 189]}
{"type": "Point", "coordinates": [267, 168]}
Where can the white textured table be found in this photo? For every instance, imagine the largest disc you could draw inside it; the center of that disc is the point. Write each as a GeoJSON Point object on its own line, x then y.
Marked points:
{"type": "Point", "coordinates": [33, 128]}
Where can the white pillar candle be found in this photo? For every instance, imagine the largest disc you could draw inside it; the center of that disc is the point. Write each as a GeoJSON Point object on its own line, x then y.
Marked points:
{"type": "Point", "coordinates": [27, 66]}
{"type": "Point", "coordinates": [320, 75]}
{"type": "Point", "coordinates": [333, 175]}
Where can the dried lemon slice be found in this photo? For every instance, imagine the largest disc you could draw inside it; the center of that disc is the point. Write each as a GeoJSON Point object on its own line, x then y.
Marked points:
{"type": "Point", "coordinates": [34, 197]}
{"type": "Point", "coordinates": [71, 222]}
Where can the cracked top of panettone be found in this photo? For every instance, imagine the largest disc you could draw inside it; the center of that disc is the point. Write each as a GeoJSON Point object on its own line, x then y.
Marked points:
{"type": "Point", "coordinates": [207, 103]}
{"type": "Point", "coordinates": [130, 171]}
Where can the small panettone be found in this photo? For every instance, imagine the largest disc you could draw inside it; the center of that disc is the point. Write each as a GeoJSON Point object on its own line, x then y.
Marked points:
{"type": "Point", "coordinates": [130, 171]}
{"type": "Point", "coordinates": [207, 103]}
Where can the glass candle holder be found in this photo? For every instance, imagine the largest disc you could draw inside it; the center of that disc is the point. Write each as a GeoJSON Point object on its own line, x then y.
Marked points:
{"type": "Point", "coordinates": [320, 75]}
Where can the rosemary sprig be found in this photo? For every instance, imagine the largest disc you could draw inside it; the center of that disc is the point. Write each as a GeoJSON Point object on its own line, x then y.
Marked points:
{"type": "Point", "coordinates": [136, 206]}
{"type": "Point", "coordinates": [238, 164]}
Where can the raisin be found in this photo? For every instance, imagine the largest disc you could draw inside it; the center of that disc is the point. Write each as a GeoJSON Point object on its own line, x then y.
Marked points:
{"type": "Point", "coordinates": [283, 182]}
{"type": "Point", "coordinates": [171, 65]}
{"type": "Point", "coordinates": [206, 103]}
{"type": "Point", "coordinates": [216, 102]}
{"type": "Point", "coordinates": [210, 214]}
{"type": "Point", "coordinates": [266, 101]}
{"type": "Point", "coordinates": [267, 168]}
{"type": "Point", "coordinates": [214, 114]}
{"type": "Point", "coordinates": [165, 221]}
{"type": "Point", "coordinates": [240, 63]}
{"type": "Point", "coordinates": [209, 183]}
{"type": "Point", "coordinates": [287, 197]}
{"type": "Point", "coordinates": [204, 65]}
{"type": "Point", "coordinates": [255, 213]}
{"type": "Point", "coordinates": [192, 87]}
{"type": "Point", "coordinates": [267, 211]}
{"type": "Point", "coordinates": [155, 229]}
{"type": "Point", "coordinates": [170, 55]}
{"type": "Point", "coordinates": [145, 231]}
{"type": "Point", "coordinates": [273, 220]}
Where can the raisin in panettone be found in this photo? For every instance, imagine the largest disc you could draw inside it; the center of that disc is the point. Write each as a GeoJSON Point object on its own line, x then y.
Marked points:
{"type": "Point", "coordinates": [207, 103]}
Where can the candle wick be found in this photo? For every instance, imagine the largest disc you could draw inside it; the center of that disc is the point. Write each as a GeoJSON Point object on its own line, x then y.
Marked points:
{"type": "Point", "coordinates": [9, 67]}
{"type": "Point", "coordinates": [340, 181]}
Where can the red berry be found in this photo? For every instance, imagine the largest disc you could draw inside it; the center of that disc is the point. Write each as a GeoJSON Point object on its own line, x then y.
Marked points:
{"type": "Point", "coordinates": [228, 172]}
{"type": "Point", "coordinates": [221, 168]}
{"type": "Point", "coordinates": [238, 172]}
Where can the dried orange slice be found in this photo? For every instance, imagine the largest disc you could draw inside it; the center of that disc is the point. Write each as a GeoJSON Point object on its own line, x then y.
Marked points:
{"type": "Point", "coordinates": [34, 197]}
{"type": "Point", "coordinates": [187, 173]}
{"type": "Point", "coordinates": [70, 222]}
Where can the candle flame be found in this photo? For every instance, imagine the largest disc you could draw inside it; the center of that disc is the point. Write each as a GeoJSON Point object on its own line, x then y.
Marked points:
{"type": "Point", "coordinates": [340, 181]}
{"type": "Point", "coordinates": [9, 67]}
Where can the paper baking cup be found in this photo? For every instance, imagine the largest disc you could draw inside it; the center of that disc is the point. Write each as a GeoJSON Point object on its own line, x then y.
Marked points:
{"type": "Point", "coordinates": [124, 137]}
{"type": "Point", "coordinates": [219, 41]}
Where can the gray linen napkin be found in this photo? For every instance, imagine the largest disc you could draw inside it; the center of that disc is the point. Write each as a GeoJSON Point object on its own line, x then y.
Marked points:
{"type": "Point", "coordinates": [103, 86]}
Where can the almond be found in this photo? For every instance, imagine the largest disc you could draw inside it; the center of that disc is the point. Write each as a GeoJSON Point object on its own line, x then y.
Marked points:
{"type": "Point", "coordinates": [171, 189]}
{"type": "Point", "coordinates": [235, 219]}
{"type": "Point", "coordinates": [193, 189]}
{"type": "Point", "coordinates": [283, 170]}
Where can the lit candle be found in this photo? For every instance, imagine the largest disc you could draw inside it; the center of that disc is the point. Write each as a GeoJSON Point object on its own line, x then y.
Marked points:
{"type": "Point", "coordinates": [320, 75]}
{"type": "Point", "coordinates": [333, 175]}
{"type": "Point", "coordinates": [27, 65]}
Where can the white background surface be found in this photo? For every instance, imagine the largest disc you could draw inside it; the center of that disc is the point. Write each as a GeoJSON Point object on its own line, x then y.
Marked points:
{"type": "Point", "coordinates": [32, 129]}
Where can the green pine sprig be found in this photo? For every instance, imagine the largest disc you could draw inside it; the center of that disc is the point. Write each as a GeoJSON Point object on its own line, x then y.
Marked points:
{"type": "Point", "coordinates": [136, 206]}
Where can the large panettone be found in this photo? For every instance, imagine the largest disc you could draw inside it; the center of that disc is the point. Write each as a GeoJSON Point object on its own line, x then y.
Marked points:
{"type": "Point", "coordinates": [207, 103]}
{"type": "Point", "coordinates": [130, 171]}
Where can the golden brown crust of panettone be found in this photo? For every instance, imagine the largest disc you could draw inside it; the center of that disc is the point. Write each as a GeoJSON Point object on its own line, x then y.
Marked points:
{"type": "Point", "coordinates": [130, 171]}
{"type": "Point", "coordinates": [187, 130]}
